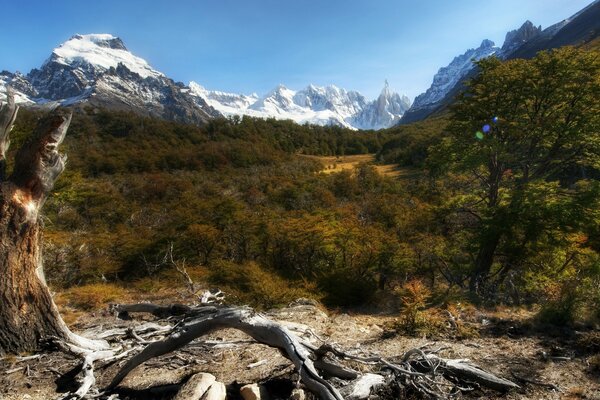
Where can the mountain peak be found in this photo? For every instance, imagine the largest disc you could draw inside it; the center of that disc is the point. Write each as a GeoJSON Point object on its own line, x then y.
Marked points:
{"type": "Point", "coordinates": [487, 44]}
{"type": "Point", "coordinates": [100, 52]}
{"type": "Point", "coordinates": [196, 87]}
{"type": "Point", "coordinates": [386, 88]}
{"type": "Point", "coordinates": [517, 37]}
{"type": "Point", "coordinates": [102, 40]}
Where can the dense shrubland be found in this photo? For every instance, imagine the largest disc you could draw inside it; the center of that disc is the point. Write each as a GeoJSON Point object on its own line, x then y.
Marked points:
{"type": "Point", "coordinates": [511, 218]}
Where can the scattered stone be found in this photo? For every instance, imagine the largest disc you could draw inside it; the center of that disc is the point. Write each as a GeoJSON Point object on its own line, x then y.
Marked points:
{"type": "Point", "coordinates": [298, 394]}
{"type": "Point", "coordinates": [217, 391]}
{"type": "Point", "coordinates": [254, 392]}
{"type": "Point", "coordinates": [195, 387]}
{"type": "Point", "coordinates": [250, 392]}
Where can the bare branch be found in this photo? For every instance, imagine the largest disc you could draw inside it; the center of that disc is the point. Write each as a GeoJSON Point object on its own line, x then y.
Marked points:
{"type": "Point", "coordinates": [38, 163]}
{"type": "Point", "coordinates": [8, 114]}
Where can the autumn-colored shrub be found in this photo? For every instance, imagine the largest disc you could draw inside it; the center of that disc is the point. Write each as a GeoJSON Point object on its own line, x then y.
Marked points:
{"type": "Point", "coordinates": [413, 297]}
{"type": "Point", "coordinates": [562, 305]}
{"type": "Point", "coordinates": [250, 284]}
{"type": "Point", "coordinates": [94, 296]}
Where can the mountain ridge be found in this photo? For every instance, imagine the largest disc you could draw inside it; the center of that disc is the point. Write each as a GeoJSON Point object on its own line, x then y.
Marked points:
{"type": "Point", "coordinates": [99, 70]}
{"type": "Point", "coordinates": [321, 105]}
{"type": "Point", "coordinates": [523, 42]}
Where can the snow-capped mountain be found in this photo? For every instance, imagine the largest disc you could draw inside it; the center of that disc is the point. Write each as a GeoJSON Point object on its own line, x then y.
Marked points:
{"type": "Point", "coordinates": [447, 77]}
{"type": "Point", "coordinates": [20, 87]}
{"type": "Point", "coordinates": [97, 69]}
{"type": "Point", "coordinates": [383, 112]}
{"type": "Point", "coordinates": [227, 102]}
{"type": "Point", "coordinates": [524, 42]}
{"type": "Point", "coordinates": [328, 105]}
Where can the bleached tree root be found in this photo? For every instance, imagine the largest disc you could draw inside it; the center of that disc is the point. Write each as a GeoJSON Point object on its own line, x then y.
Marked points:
{"type": "Point", "coordinates": [420, 369]}
{"type": "Point", "coordinates": [322, 369]}
{"type": "Point", "coordinates": [253, 324]}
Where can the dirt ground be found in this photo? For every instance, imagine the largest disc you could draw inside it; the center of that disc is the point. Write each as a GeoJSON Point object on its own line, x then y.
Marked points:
{"type": "Point", "coordinates": [502, 347]}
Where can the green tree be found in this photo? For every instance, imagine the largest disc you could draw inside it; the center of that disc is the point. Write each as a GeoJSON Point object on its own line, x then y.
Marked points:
{"type": "Point", "coordinates": [525, 131]}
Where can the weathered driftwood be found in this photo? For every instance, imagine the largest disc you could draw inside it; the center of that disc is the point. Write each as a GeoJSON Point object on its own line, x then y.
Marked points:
{"type": "Point", "coordinates": [253, 324]}
{"type": "Point", "coordinates": [462, 369]}
{"type": "Point", "coordinates": [421, 369]}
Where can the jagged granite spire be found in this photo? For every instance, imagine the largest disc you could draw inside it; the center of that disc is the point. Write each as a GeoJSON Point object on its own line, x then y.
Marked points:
{"type": "Point", "coordinates": [383, 112]}
{"type": "Point", "coordinates": [517, 37]}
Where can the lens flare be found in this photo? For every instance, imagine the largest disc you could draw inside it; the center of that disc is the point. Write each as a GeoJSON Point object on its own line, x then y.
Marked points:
{"type": "Point", "coordinates": [486, 128]}
{"type": "Point", "coordinates": [479, 135]}
{"type": "Point", "coordinates": [495, 120]}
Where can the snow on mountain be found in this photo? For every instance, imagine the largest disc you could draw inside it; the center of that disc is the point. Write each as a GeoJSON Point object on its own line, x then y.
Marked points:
{"type": "Point", "coordinates": [103, 51]}
{"type": "Point", "coordinates": [328, 105]}
{"type": "Point", "coordinates": [97, 69]}
{"type": "Point", "coordinates": [20, 86]}
{"type": "Point", "coordinates": [450, 77]}
{"type": "Point", "coordinates": [383, 112]}
{"type": "Point", "coordinates": [523, 42]}
{"type": "Point", "coordinates": [313, 105]}
{"type": "Point", "coordinates": [226, 103]}
{"type": "Point", "coordinates": [279, 101]}
{"type": "Point", "coordinates": [447, 77]}
{"type": "Point", "coordinates": [345, 103]}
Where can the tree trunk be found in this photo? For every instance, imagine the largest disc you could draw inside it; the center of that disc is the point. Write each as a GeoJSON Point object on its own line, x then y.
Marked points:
{"type": "Point", "coordinates": [27, 311]}
{"type": "Point", "coordinates": [484, 261]}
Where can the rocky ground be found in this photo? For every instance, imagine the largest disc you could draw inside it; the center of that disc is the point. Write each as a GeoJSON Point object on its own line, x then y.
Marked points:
{"type": "Point", "coordinates": [546, 365]}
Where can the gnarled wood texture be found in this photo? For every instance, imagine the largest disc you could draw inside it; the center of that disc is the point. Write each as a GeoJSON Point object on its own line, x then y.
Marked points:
{"type": "Point", "coordinates": [27, 311]}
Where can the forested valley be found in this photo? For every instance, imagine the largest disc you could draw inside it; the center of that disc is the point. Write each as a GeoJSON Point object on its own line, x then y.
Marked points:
{"type": "Point", "coordinates": [247, 213]}
{"type": "Point", "coordinates": [491, 208]}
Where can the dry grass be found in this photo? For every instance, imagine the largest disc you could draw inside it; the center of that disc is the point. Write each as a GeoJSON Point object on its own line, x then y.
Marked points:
{"type": "Point", "coordinates": [92, 297]}
{"type": "Point", "coordinates": [333, 164]}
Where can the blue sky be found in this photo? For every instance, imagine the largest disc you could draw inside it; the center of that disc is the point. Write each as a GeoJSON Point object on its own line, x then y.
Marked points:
{"type": "Point", "coordinates": [251, 46]}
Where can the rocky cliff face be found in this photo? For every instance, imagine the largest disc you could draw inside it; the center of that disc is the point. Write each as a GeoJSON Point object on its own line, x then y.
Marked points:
{"type": "Point", "coordinates": [383, 112]}
{"type": "Point", "coordinates": [518, 37]}
{"type": "Point", "coordinates": [448, 77]}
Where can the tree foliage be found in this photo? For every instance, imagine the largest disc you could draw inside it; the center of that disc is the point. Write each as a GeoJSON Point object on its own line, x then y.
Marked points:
{"type": "Point", "coordinates": [515, 214]}
{"type": "Point", "coordinates": [527, 134]}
